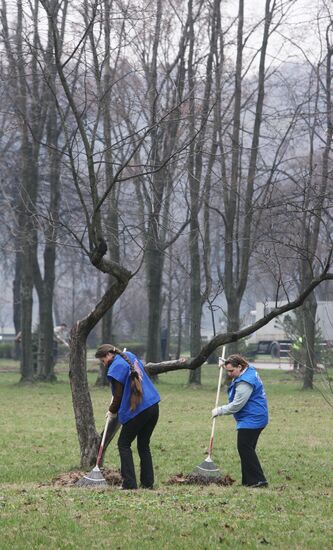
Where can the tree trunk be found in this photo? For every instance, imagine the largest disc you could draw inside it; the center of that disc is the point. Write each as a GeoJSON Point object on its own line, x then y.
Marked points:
{"type": "Point", "coordinates": [312, 225]}
{"type": "Point", "coordinates": [309, 324]}
{"type": "Point", "coordinates": [179, 328]}
{"type": "Point", "coordinates": [154, 264]}
{"type": "Point", "coordinates": [194, 186]}
{"type": "Point", "coordinates": [28, 246]}
{"type": "Point", "coordinates": [27, 373]}
{"type": "Point", "coordinates": [88, 437]}
{"type": "Point", "coordinates": [83, 411]}
{"type": "Point", "coordinates": [46, 350]}
{"type": "Point", "coordinates": [17, 302]}
{"type": "Point", "coordinates": [233, 323]}
{"type": "Point", "coordinates": [107, 337]}
{"type": "Point", "coordinates": [195, 342]}
{"type": "Point", "coordinates": [46, 346]}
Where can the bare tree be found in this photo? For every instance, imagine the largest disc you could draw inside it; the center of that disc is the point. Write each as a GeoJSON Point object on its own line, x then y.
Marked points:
{"type": "Point", "coordinates": [31, 77]}
{"type": "Point", "coordinates": [165, 92]}
{"type": "Point", "coordinates": [85, 159]}
{"type": "Point", "coordinates": [26, 90]}
{"type": "Point", "coordinates": [316, 200]}
{"type": "Point", "coordinates": [120, 134]}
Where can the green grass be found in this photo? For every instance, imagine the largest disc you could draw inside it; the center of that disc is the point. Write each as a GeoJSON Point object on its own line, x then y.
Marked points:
{"type": "Point", "coordinates": [38, 442]}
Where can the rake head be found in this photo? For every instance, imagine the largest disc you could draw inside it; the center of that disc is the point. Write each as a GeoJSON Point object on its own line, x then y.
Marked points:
{"type": "Point", "coordinates": [92, 480]}
{"type": "Point", "coordinates": [207, 469]}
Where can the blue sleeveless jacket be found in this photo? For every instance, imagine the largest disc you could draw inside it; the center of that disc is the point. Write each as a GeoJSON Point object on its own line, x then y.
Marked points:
{"type": "Point", "coordinates": [119, 370]}
{"type": "Point", "coordinates": [254, 414]}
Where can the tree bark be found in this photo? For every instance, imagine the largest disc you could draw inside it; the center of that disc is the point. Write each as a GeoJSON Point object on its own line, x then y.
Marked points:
{"type": "Point", "coordinates": [309, 324]}
{"type": "Point", "coordinates": [312, 220]}
{"type": "Point", "coordinates": [154, 266]}
{"type": "Point", "coordinates": [17, 300]}
{"type": "Point", "coordinates": [82, 405]}
{"type": "Point", "coordinates": [83, 411]}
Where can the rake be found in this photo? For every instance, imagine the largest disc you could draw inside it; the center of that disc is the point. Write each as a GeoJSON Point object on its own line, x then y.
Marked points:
{"type": "Point", "coordinates": [207, 468]}
{"type": "Point", "coordinates": [95, 477]}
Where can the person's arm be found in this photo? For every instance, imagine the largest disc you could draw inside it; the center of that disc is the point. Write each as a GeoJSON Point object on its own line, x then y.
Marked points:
{"type": "Point", "coordinates": [242, 395]}
{"type": "Point", "coordinates": [117, 396]}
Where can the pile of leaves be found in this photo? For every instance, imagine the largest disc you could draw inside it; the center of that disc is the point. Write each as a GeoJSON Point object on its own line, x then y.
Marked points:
{"type": "Point", "coordinates": [67, 479]}
{"type": "Point", "coordinates": [113, 478]}
{"type": "Point", "coordinates": [193, 479]}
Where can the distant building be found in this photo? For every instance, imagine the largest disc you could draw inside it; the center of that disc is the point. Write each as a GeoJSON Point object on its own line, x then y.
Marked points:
{"type": "Point", "coordinates": [7, 335]}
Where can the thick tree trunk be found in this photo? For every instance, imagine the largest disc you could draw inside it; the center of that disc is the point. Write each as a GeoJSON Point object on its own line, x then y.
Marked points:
{"type": "Point", "coordinates": [27, 373]}
{"type": "Point", "coordinates": [309, 324]}
{"type": "Point", "coordinates": [46, 357]}
{"type": "Point", "coordinates": [238, 197]}
{"type": "Point", "coordinates": [233, 323]}
{"type": "Point", "coordinates": [32, 112]}
{"type": "Point", "coordinates": [312, 229]}
{"type": "Point", "coordinates": [195, 344]}
{"type": "Point", "coordinates": [83, 411]}
{"type": "Point", "coordinates": [28, 242]}
{"type": "Point", "coordinates": [45, 286]}
{"type": "Point", "coordinates": [154, 263]}
{"type": "Point", "coordinates": [17, 302]}
{"type": "Point", "coordinates": [179, 329]}
{"type": "Point", "coordinates": [194, 175]}
{"type": "Point", "coordinates": [107, 338]}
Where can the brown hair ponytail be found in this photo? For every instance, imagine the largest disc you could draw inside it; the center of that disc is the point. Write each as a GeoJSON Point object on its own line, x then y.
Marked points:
{"type": "Point", "coordinates": [136, 386]}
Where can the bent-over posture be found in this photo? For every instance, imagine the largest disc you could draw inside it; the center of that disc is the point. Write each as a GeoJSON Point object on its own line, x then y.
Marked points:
{"type": "Point", "coordinates": [135, 401]}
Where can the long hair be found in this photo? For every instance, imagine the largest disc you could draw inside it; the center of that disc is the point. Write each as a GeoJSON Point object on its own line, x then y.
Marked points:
{"type": "Point", "coordinates": [136, 386]}
{"type": "Point", "coordinates": [237, 360]}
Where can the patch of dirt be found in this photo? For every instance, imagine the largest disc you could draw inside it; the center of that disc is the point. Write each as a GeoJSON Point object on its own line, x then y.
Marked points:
{"type": "Point", "coordinates": [113, 478]}
{"type": "Point", "coordinates": [67, 479]}
{"type": "Point", "coordinates": [191, 479]}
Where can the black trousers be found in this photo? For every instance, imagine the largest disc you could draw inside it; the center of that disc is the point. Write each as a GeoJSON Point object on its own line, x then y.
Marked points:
{"type": "Point", "coordinates": [246, 444]}
{"type": "Point", "coordinates": [140, 427]}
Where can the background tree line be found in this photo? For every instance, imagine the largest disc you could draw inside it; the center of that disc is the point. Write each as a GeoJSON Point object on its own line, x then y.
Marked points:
{"type": "Point", "coordinates": [159, 160]}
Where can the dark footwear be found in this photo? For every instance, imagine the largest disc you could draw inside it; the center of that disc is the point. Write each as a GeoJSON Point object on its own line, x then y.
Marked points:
{"type": "Point", "coordinates": [259, 485]}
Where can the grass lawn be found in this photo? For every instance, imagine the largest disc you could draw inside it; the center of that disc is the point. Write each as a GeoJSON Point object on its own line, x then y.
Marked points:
{"type": "Point", "coordinates": [39, 442]}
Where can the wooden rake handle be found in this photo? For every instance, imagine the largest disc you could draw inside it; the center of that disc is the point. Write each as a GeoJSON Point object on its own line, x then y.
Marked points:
{"type": "Point", "coordinates": [101, 447]}
{"type": "Point", "coordinates": [211, 441]}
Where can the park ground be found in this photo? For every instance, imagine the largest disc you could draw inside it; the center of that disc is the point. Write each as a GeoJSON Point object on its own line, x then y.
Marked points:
{"type": "Point", "coordinates": [39, 444]}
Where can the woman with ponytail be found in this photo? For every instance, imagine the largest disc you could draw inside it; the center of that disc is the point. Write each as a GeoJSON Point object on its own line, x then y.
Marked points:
{"type": "Point", "coordinates": [135, 401]}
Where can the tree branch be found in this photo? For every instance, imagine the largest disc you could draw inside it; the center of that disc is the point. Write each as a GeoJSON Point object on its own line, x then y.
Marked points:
{"type": "Point", "coordinates": [226, 338]}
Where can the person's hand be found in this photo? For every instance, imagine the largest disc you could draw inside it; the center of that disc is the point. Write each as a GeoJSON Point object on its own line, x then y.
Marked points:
{"type": "Point", "coordinates": [216, 412]}
{"type": "Point", "coordinates": [110, 415]}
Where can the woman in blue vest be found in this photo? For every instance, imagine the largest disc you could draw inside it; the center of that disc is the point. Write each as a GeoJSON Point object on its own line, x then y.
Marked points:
{"type": "Point", "coordinates": [248, 404]}
{"type": "Point", "coordinates": [135, 401]}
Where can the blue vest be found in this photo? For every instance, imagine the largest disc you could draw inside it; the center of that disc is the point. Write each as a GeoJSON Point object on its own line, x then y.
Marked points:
{"type": "Point", "coordinates": [254, 414]}
{"type": "Point", "coordinates": [119, 370]}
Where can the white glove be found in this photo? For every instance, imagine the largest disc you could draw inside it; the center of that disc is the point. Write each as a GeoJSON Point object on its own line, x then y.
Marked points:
{"type": "Point", "coordinates": [110, 415]}
{"type": "Point", "coordinates": [216, 412]}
